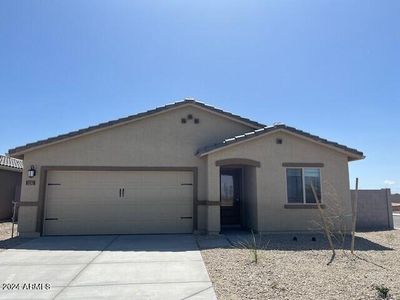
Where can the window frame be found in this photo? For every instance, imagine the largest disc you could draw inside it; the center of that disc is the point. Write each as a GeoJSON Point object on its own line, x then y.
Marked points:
{"type": "Point", "coordinates": [304, 186]}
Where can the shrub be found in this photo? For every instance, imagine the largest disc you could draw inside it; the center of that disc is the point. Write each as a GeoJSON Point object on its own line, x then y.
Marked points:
{"type": "Point", "coordinates": [253, 245]}
{"type": "Point", "coordinates": [383, 291]}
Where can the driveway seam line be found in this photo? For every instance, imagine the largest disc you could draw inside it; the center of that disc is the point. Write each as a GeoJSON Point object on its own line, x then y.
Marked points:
{"type": "Point", "coordinates": [197, 293]}
{"type": "Point", "coordinates": [86, 266]}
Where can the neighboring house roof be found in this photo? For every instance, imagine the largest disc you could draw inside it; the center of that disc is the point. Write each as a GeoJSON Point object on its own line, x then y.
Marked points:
{"type": "Point", "coordinates": [7, 162]}
{"type": "Point", "coordinates": [188, 101]}
{"type": "Point", "coordinates": [353, 153]}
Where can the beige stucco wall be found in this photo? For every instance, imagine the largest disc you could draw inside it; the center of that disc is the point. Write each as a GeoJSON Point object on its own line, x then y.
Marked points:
{"type": "Point", "coordinates": [271, 180]}
{"type": "Point", "coordinates": [157, 141]}
{"type": "Point", "coordinates": [250, 197]}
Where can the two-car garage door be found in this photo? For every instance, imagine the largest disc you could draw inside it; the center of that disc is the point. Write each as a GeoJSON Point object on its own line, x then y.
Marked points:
{"type": "Point", "coordinates": [118, 202]}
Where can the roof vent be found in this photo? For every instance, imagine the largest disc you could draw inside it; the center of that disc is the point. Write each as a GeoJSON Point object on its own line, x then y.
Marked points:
{"type": "Point", "coordinates": [279, 141]}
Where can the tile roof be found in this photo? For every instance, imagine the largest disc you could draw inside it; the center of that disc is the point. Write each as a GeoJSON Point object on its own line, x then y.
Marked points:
{"type": "Point", "coordinates": [268, 129]}
{"type": "Point", "coordinates": [13, 163]}
{"type": "Point", "coordinates": [133, 117]}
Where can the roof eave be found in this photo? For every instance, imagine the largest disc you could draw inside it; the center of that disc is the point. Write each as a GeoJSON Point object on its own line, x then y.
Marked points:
{"type": "Point", "coordinates": [16, 155]}
{"type": "Point", "coordinates": [234, 118]}
{"type": "Point", "coordinates": [6, 168]}
{"type": "Point", "coordinates": [352, 156]}
{"type": "Point", "coordinates": [18, 152]}
{"type": "Point", "coordinates": [356, 157]}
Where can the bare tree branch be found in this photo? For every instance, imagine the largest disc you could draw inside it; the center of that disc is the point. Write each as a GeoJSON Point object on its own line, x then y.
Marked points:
{"type": "Point", "coordinates": [325, 224]}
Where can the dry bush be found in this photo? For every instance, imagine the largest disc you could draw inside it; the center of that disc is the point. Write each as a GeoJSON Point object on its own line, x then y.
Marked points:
{"type": "Point", "coordinates": [254, 244]}
{"type": "Point", "coordinates": [334, 220]}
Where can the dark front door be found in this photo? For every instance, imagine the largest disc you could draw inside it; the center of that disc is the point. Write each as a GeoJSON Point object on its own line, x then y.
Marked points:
{"type": "Point", "coordinates": [230, 182]}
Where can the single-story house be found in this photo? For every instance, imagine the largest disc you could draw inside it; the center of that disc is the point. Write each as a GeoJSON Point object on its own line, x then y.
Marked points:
{"type": "Point", "coordinates": [181, 168]}
{"type": "Point", "coordinates": [10, 184]}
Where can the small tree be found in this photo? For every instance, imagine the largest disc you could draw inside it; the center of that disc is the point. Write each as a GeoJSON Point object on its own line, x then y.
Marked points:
{"type": "Point", "coordinates": [325, 224]}
{"type": "Point", "coordinates": [335, 219]}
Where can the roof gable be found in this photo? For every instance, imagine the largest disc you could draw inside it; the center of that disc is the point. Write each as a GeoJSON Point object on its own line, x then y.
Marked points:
{"type": "Point", "coordinates": [19, 151]}
{"type": "Point", "coordinates": [353, 154]}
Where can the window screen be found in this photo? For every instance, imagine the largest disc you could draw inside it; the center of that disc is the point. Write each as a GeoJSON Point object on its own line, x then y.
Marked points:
{"type": "Point", "coordinates": [312, 176]}
{"type": "Point", "coordinates": [294, 185]}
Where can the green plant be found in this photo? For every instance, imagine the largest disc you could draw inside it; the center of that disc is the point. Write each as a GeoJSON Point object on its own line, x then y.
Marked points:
{"type": "Point", "coordinates": [383, 291]}
{"type": "Point", "coordinates": [253, 245]}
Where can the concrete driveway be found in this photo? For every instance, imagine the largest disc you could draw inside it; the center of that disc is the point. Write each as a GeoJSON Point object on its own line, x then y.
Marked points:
{"type": "Point", "coordinates": [109, 267]}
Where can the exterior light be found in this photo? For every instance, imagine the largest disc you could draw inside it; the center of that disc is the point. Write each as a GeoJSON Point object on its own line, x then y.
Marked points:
{"type": "Point", "coordinates": [31, 172]}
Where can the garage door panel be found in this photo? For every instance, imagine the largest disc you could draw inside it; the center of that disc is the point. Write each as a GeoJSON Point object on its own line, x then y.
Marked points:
{"type": "Point", "coordinates": [107, 211]}
{"type": "Point", "coordinates": [102, 212]}
{"type": "Point", "coordinates": [110, 227]}
{"type": "Point", "coordinates": [88, 202]}
{"type": "Point", "coordinates": [90, 191]}
{"type": "Point", "coordinates": [157, 195]}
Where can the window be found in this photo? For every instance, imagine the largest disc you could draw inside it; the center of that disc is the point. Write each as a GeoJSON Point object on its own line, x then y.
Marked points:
{"type": "Point", "coordinates": [299, 184]}
{"type": "Point", "coordinates": [312, 176]}
{"type": "Point", "coordinates": [295, 185]}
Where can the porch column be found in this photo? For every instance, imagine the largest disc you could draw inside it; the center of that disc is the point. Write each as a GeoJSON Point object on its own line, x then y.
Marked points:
{"type": "Point", "coordinates": [213, 194]}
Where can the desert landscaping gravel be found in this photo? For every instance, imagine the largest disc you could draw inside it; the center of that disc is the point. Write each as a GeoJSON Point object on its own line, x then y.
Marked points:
{"type": "Point", "coordinates": [5, 236]}
{"type": "Point", "coordinates": [297, 269]}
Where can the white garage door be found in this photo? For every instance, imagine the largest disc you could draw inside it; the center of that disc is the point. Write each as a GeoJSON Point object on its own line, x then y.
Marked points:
{"type": "Point", "coordinates": [118, 202]}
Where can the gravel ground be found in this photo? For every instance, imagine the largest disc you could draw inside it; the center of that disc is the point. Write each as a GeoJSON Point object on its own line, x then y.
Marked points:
{"type": "Point", "coordinates": [291, 269]}
{"type": "Point", "coordinates": [5, 230]}
{"type": "Point", "coordinates": [5, 236]}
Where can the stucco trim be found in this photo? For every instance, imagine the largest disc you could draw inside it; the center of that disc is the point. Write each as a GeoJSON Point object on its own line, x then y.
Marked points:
{"type": "Point", "coordinates": [208, 203]}
{"type": "Point", "coordinates": [303, 206]}
{"type": "Point", "coordinates": [43, 183]}
{"type": "Point", "coordinates": [28, 203]}
{"type": "Point", "coordinates": [302, 165]}
{"type": "Point", "coordinates": [237, 161]}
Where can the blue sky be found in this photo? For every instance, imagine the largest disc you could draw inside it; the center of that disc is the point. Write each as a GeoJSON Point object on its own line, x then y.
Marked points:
{"type": "Point", "coordinates": [328, 67]}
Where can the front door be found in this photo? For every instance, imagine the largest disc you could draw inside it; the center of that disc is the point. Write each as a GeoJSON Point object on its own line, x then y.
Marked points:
{"type": "Point", "coordinates": [230, 183]}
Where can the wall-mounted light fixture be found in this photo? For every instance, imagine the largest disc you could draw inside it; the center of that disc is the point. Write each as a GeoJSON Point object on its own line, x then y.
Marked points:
{"type": "Point", "coordinates": [32, 172]}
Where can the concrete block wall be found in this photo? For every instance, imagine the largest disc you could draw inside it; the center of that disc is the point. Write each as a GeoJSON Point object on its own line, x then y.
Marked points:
{"type": "Point", "coordinates": [374, 209]}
